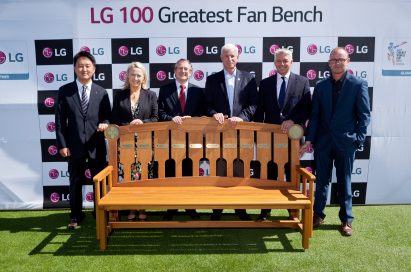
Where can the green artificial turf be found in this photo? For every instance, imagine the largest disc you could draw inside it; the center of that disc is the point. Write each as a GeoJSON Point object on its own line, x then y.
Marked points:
{"type": "Point", "coordinates": [39, 241]}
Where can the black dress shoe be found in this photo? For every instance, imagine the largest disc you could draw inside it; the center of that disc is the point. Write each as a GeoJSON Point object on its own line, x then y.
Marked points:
{"type": "Point", "coordinates": [243, 215]}
{"type": "Point", "coordinates": [193, 214]}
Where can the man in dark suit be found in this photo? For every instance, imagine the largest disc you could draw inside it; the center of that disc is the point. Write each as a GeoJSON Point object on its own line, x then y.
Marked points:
{"type": "Point", "coordinates": [82, 114]}
{"type": "Point", "coordinates": [337, 128]}
{"type": "Point", "coordinates": [177, 101]}
{"type": "Point", "coordinates": [283, 98]}
{"type": "Point", "coordinates": [175, 104]}
{"type": "Point", "coordinates": [231, 94]}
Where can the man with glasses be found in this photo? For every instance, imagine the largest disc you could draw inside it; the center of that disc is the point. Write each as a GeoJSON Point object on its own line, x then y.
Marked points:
{"type": "Point", "coordinates": [337, 128]}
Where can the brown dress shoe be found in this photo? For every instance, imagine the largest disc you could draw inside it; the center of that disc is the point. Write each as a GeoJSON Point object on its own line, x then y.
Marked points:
{"type": "Point", "coordinates": [346, 229]}
{"type": "Point", "coordinates": [317, 221]}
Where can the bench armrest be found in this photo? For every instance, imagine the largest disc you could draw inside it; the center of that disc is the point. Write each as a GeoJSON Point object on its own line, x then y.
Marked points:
{"type": "Point", "coordinates": [103, 180]}
{"type": "Point", "coordinates": [307, 179]}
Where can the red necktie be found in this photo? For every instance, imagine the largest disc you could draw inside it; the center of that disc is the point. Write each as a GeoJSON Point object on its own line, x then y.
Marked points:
{"type": "Point", "coordinates": [182, 98]}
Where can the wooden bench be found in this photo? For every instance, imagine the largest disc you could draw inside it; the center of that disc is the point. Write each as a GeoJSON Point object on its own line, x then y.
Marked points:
{"type": "Point", "coordinates": [199, 138]}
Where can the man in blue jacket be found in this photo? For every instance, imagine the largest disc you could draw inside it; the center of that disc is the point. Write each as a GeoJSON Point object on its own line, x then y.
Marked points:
{"type": "Point", "coordinates": [338, 126]}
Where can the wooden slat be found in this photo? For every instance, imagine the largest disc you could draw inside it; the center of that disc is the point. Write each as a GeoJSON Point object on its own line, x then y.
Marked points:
{"type": "Point", "coordinates": [246, 150]}
{"type": "Point", "coordinates": [212, 150]}
{"type": "Point", "coordinates": [295, 160]}
{"type": "Point", "coordinates": [144, 152]}
{"type": "Point", "coordinates": [263, 151]}
{"type": "Point", "coordinates": [178, 149]}
{"type": "Point", "coordinates": [280, 153]}
{"type": "Point", "coordinates": [112, 157]}
{"type": "Point", "coordinates": [195, 150]}
{"type": "Point", "coordinates": [203, 197]}
{"type": "Point", "coordinates": [230, 149]}
{"type": "Point", "coordinates": [161, 150]}
{"type": "Point", "coordinates": [127, 152]}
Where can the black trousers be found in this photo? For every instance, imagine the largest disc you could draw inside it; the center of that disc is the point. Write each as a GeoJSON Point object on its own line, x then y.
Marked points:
{"type": "Point", "coordinates": [77, 169]}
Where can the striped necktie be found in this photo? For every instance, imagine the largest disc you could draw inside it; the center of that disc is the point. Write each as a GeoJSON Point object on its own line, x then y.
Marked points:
{"type": "Point", "coordinates": [84, 100]}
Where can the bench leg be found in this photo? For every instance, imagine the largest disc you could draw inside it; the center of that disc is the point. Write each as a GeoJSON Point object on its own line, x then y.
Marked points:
{"type": "Point", "coordinates": [306, 227]}
{"type": "Point", "coordinates": [102, 215]}
{"type": "Point", "coordinates": [98, 225]}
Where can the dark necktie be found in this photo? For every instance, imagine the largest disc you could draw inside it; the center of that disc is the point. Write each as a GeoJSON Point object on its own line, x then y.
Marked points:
{"type": "Point", "coordinates": [182, 98]}
{"type": "Point", "coordinates": [84, 100]}
{"type": "Point", "coordinates": [282, 94]}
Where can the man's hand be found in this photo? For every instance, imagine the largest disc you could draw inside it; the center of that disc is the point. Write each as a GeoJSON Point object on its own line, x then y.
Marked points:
{"type": "Point", "coordinates": [234, 121]}
{"type": "Point", "coordinates": [136, 122]}
{"type": "Point", "coordinates": [219, 117]}
{"type": "Point", "coordinates": [64, 152]}
{"type": "Point", "coordinates": [285, 126]}
{"type": "Point", "coordinates": [102, 127]}
{"type": "Point", "coordinates": [179, 119]}
{"type": "Point", "coordinates": [304, 148]}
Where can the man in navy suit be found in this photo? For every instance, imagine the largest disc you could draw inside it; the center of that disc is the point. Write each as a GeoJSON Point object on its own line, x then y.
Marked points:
{"type": "Point", "coordinates": [283, 98]}
{"type": "Point", "coordinates": [231, 94]}
{"type": "Point", "coordinates": [337, 128]}
{"type": "Point", "coordinates": [177, 101]}
{"type": "Point", "coordinates": [82, 114]}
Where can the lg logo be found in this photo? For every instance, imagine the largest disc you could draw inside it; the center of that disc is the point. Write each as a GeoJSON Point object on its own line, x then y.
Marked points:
{"type": "Point", "coordinates": [351, 49]}
{"type": "Point", "coordinates": [274, 48]}
{"type": "Point", "coordinates": [51, 126]}
{"type": "Point", "coordinates": [124, 51]}
{"type": "Point", "coordinates": [93, 51]}
{"type": "Point", "coordinates": [49, 52]}
{"type": "Point", "coordinates": [161, 75]}
{"type": "Point", "coordinates": [161, 50]}
{"type": "Point", "coordinates": [200, 50]}
{"type": "Point", "coordinates": [198, 75]}
{"type": "Point", "coordinates": [50, 77]}
{"type": "Point", "coordinates": [49, 102]}
{"type": "Point", "coordinates": [313, 49]}
{"type": "Point", "coordinates": [312, 74]}
{"type": "Point", "coordinates": [18, 57]}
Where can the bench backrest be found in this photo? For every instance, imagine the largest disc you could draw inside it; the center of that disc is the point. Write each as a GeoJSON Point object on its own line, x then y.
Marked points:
{"type": "Point", "coordinates": [202, 137]}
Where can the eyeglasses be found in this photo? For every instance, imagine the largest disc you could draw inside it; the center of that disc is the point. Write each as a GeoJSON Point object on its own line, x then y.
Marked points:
{"type": "Point", "coordinates": [337, 60]}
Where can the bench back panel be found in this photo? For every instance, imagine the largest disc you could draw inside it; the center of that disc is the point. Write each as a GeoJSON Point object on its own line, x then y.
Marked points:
{"type": "Point", "coordinates": [198, 139]}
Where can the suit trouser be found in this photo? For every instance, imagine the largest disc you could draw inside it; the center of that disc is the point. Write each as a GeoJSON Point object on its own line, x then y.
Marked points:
{"type": "Point", "coordinates": [77, 168]}
{"type": "Point", "coordinates": [343, 161]}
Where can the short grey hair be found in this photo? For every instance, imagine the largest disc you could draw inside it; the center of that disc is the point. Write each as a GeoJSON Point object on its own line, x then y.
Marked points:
{"type": "Point", "coordinates": [283, 51]}
{"type": "Point", "coordinates": [229, 46]}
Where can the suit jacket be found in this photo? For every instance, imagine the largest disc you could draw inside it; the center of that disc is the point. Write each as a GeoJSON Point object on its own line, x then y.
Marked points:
{"type": "Point", "coordinates": [347, 127]}
{"type": "Point", "coordinates": [169, 105]}
{"type": "Point", "coordinates": [245, 95]}
{"type": "Point", "coordinates": [297, 103]}
{"type": "Point", "coordinates": [148, 111]}
{"type": "Point", "coordinates": [77, 131]}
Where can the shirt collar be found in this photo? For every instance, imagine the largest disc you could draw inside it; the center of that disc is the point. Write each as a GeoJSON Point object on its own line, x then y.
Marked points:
{"type": "Point", "coordinates": [227, 74]}
{"type": "Point", "coordinates": [80, 85]}
{"type": "Point", "coordinates": [178, 85]}
{"type": "Point", "coordinates": [287, 76]}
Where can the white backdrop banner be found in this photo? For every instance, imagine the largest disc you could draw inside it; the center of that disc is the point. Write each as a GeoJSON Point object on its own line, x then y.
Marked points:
{"type": "Point", "coordinates": [39, 39]}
